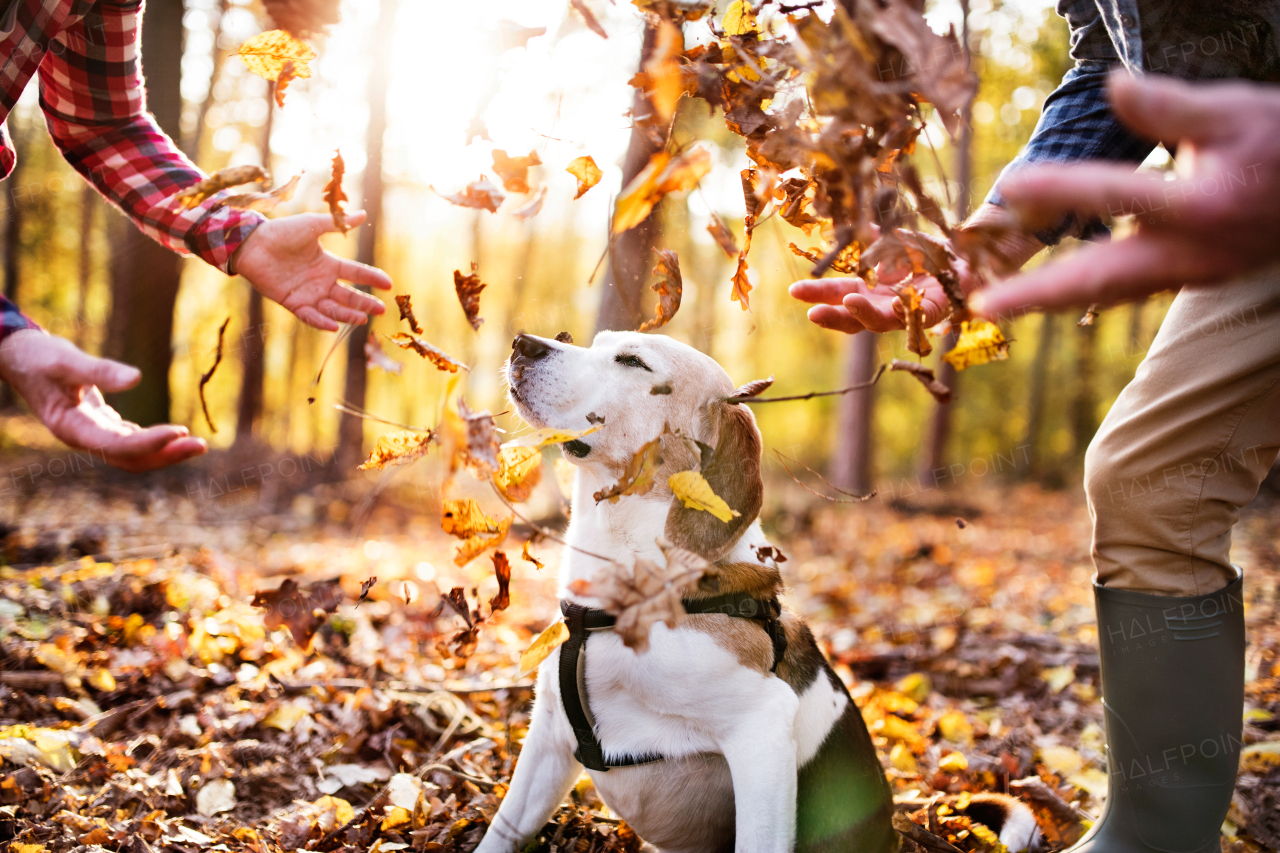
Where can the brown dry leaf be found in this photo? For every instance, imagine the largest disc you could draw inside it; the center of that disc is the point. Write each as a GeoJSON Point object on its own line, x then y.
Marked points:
{"type": "Point", "coordinates": [1090, 314]}
{"type": "Point", "coordinates": [530, 208]}
{"type": "Point", "coordinates": [917, 337]}
{"type": "Point", "coordinates": [514, 171]}
{"type": "Point", "coordinates": [208, 374]}
{"type": "Point", "coordinates": [468, 288]}
{"type": "Point", "coordinates": [375, 357]}
{"type": "Point", "coordinates": [220, 180]}
{"type": "Point", "coordinates": [304, 18]}
{"type": "Point", "coordinates": [665, 82]}
{"type": "Point", "coordinates": [267, 53]}
{"type": "Point", "coordinates": [519, 471]}
{"type": "Point", "coordinates": [480, 194]}
{"type": "Point", "coordinates": [529, 558]}
{"type": "Point", "coordinates": [741, 284]}
{"type": "Point", "coordinates": [662, 175]}
{"type": "Point", "coordinates": [936, 64]}
{"type": "Point", "coordinates": [740, 19]}
{"type": "Point", "coordinates": [333, 194]}
{"type": "Point", "coordinates": [404, 302]}
{"type": "Point", "coordinates": [288, 72]}
{"type": "Point", "coordinates": [723, 236]}
{"type": "Point", "coordinates": [980, 342]}
{"type": "Point", "coordinates": [464, 519]}
{"type": "Point", "coordinates": [435, 355]}
{"type": "Point", "coordinates": [754, 388]}
{"type": "Point", "coordinates": [501, 571]}
{"type": "Point", "coordinates": [264, 202]}
{"type": "Point", "coordinates": [480, 451]}
{"type": "Point", "coordinates": [940, 392]}
{"type": "Point", "coordinates": [669, 288]}
{"type": "Point", "coordinates": [397, 448]}
{"type": "Point", "coordinates": [588, 18]}
{"type": "Point", "coordinates": [638, 478]}
{"type": "Point", "coordinates": [587, 172]}
{"type": "Point", "coordinates": [301, 611]}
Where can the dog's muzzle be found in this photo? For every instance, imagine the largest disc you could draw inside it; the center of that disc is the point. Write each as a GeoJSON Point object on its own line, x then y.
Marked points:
{"type": "Point", "coordinates": [527, 349]}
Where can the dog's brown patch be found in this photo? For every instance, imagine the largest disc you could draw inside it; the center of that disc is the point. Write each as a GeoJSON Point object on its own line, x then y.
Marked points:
{"type": "Point", "coordinates": [743, 637]}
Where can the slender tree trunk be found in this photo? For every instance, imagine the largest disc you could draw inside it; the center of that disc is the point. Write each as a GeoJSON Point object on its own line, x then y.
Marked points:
{"type": "Point", "coordinates": [350, 428]}
{"type": "Point", "coordinates": [1084, 408]}
{"type": "Point", "coordinates": [145, 275]}
{"type": "Point", "coordinates": [631, 255]}
{"type": "Point", "coordinates": [851, 457]}
{"type": "Point", "coordinates": [191, 146]}
{"type": "Point", "coordinates": [12, 232]}
{"type": "Point", "coordinates": [934, 457]}
{"type": "Point", "coordinates": [1036, 398]}
{"type": "Point", "coordinates": [88, 209]}
{"type": "Point", "coordinates": [253, 344]}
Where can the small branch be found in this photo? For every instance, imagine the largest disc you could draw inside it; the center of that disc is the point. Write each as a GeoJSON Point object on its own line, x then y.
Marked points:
{"type": "Point", "coordinates": [444, 768]}
{"type": "Point", "coordinates": [813, 394]}
{"type": "Point", "coordinates": [844, 236]}
{"type": "Point", "coordinates": [361, 413]}
{"type": "Point", "coordinates": [547, 532]}
{"type": "Point", "coordinates": [857, 499]}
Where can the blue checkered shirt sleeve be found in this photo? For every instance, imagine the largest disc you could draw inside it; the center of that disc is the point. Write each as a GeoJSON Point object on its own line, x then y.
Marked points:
{"type": "Point", "coordinates": [1077, 125]}
{"type": "Point", "coordinates": [12, 320]}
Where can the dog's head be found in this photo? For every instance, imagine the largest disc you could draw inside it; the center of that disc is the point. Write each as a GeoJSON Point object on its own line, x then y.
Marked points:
{"type": "Point", "coordinates": [636, 385]}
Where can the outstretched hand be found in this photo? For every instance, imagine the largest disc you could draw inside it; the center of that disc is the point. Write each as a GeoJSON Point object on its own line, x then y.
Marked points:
{"type": "Point", "coordinates": [284, 261]}
{"type": "Point", "coordinates": [1216, 220]}
{"type": "Point", "coordinates": [61, 385]}
{"type": "Point", "coordinates": [848, 305]}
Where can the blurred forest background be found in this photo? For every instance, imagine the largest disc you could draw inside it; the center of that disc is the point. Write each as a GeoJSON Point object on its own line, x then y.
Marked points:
{"type": "Point", "coordinates": [409, 92]}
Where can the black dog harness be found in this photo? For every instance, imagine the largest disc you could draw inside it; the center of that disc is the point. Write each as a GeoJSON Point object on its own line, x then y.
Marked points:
{"type": "Point", "coordinates": [582, 620]}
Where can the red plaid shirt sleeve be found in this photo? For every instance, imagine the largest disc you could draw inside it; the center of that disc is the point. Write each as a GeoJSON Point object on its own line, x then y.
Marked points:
{"type": "Point", "coordinates": [92, 95]}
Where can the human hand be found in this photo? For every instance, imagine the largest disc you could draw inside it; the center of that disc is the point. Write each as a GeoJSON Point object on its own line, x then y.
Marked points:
{"type": "Point", "coordinates": [848, 305]}
{"type": "Point", "coordinates": [284, 261]}
{"type": "Point", "coordinates": [1216, 220]}
{"type": "Point", "coordinates": [61, 385]}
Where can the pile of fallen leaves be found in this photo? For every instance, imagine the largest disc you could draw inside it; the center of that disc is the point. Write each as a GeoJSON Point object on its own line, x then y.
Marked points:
{"type": "Point", "coordinates": [148, 704]}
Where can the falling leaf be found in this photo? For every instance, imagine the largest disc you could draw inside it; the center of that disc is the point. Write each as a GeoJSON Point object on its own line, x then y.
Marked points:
{"type": "Point", "coordinates": [264, 202]}
{"type": "Point", "coordinates": [464, 519]}
{"type": "Point", "coordinates": [1090, 314]}
{"type": "Point", "coordinates": [304, 17]}
{"type": "Point", "coordinates": [540, 438]}
{"type": "Point", "coordinates": [376, 357]}
{"type": "Point", "coordinates": [741, 283]}
{"type": "Point", "coordinates": [530, 208]}
{"type": "Point", "coordinates": [980, 342]}
{"type": "Point", "coordinates": [287, 76]}
{"type": "Point", "coordinates": [365, 586]}
{"type": "Point", "coordinates": [222, 179]}
{"type": "Point", "coordinates": [695, 492]}
{"type": "Point", "coordinates": [501, 571]}
{"type": "Point", "coordinates": [514, 171]}
{"type": "Point", "coordinates": [917, 338]}
{"type": "Point", "coordinates": [204, 379]}
{"type": "Point", "coordinates": [441, 359]}
{"type": "Point", "coordinates": [740, 19]}
{"type": "Point", "coordinates": [301, 611]}
{"type": "Point", "coordinates": [723, 236]}
{"type": "Point", "coordinates": [546, 643]}
{"type": "Point", "coordinates": [333, 194]}
{"type": "Point", "coordinates": [638, 478]}
{"type": "Point", "coordinates": [529, 558]}
{"type": "Point", "coordinates": [480, 450]}
{"type": "Point", "coordinates": [937, 65]}
{"type": "Point", "coordinates": [754, 388]}
{"type": "Point", "coordinates": [266, 55]}
{"type": "Point", "coordinates": [480, 194]}
{"type": "Point", "coordinates": [669, 288]}
{"type": "Point", "coordinates": [468, 288]}
{"type": "Point", "coordinates": [940, 392]}
{"type": "Point", "coordinates": [519, 471]}
{"type": "Point", "coordinates": [404, 302]}
{"type": "Point", "coordinates": [397, 448]}
{"type": "Point", "coordinates": [587, 172]}
{"type": "Point", "coordinates": [662, 175]}
{"type": "Point", "coordinates": [665, 80]}
{"type": "Point", "coordinates": [588, 18]}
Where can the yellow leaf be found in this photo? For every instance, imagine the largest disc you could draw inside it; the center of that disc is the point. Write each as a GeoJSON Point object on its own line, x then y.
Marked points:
{"type": "Point", "coordinates": [694, 492]}
{"type": "Point", "coordinates": [464, 519]}
{"type": "Point", "coordinates": [915, 686]}
{"type": "Point", "coordinates": [549, 435]}
{"type": "Point", "coordinates": [1058, 677]}
{"type": "Point", "coordinates": [1062, 760]}
{"type": "Point", "coordinates": [587, 173]}
{"type": "Point", "coordinates": [266, 54]}
{"type": "Point", "coordinates": [898, 729]}
{"type": "Point", "coordinates": [953, 762]}
{"type": "Point", "coordinates": [232, 176]}
{"type": "Point", "coordinates": [979, 343]}
{"type": "Point", "coordinates": [101, 679]}
{"type": "Point", "coordinates": [638, 477]}
{"type": "Point", "coordinates": [519, 470]}
{"type": "Point", "coordinates": [1092, 780]}
{"type": "Point", "coordinates": [1260, 758]}
{"type": "Point", "coordinates": [332, 812]}
{"type": "Point", "coordinates": [663, 174]}
{"type": "Point", "coordinates": [901, 759]}
{"type": "Point", "coordinates": [740, 19]}
{"type": "Point", "coordinates": [397, 448]}
{"type": "Point", "coordinates": [547, 642]}
{"type": "Point", "coordinates": [666, 82]}
{"type": "Point", "coordinates": [396, 817]}
{"type": "Point", "coordinates": [18, 847]}
{"type": "Point", "coordinates": [955, 727]}
{"type": "Point", "coordinates": [285, 717]}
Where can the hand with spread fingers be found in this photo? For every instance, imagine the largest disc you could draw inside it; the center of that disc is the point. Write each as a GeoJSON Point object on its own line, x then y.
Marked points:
{"type": "Point", "coordinates": [63, 386]}
{"type": "Point", "coordinates": [284, 261]}
{"type": "Point", "coordinates": [849, 305]}
{"type": "Point", "coordinates": [1215, 220]}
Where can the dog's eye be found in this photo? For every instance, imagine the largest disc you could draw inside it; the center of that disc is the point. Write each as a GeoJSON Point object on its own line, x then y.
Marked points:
{"type": "Point", "coordinates": [632, 361]}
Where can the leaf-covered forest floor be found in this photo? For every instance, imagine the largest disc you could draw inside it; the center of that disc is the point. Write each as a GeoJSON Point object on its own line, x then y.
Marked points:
{"type": "Point", "coordinates": [146, 705]}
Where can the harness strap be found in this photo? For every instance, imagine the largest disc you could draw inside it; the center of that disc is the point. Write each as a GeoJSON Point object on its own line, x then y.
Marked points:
{"type": "Point", "coordinates": [581, 620]}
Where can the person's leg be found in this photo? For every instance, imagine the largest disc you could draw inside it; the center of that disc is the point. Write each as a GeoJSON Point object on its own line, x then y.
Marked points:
{"type": "Point", "coordinates": [1184, 448]}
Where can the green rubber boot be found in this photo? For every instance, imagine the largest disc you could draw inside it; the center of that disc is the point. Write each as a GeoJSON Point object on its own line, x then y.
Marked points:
{"type": "Point", "coordinates": [1173, 693]}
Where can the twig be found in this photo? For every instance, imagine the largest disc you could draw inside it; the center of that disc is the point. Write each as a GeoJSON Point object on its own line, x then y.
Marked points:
{"type": "Point", "coordinates": [813, 394]}
{"type": "Point", "coordinates": [347, 329]}
{"type": "Point", "coordinates": [547, 532]}
{"type": "Point", "coordinates": [844, 236]}
{"type": "Point", "coordinates": [444, 768]}
{"type": "Point", "coordinates": [361, 413]}
{"type": "Point", "coordinates": [204, 380]}
{"type": "Point", "coordinates": [857, 499]}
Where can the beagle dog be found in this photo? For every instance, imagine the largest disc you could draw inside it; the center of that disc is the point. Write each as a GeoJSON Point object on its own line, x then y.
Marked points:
{"type": "Point", "coordinates": [721, 736]}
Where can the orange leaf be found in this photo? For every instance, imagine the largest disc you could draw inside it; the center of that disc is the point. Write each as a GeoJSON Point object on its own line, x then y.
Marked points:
{"type": "Point", "coordinates": [663, 174]}
{"type": "Point", "coordinates": [669, 288]}
{"type": "Point", "coordinates": [587, 173]}
{"type": "Point", "coordinates": [468, 288]}
{"type": "Point", "coordinates": [480, 193]}
{"type": "Point", "coordinates": [514, 171]}
{"type": "Point", "coordinates": [266, 54]}
{"type": "Point", "coordinates": [333, 194]}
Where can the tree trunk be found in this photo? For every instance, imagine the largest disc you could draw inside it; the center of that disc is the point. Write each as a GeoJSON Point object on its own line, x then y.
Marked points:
{"type": "Point", "coordinates": [191, 146]}
{"type": "Point", "coordinates": [88, 209]}
{"type": "Point", "coordinates": [351, 428]}
{"type": "Point", "coordinates": [1084, 408]}
{"type": "Point", "coordinates": [145, 275]}
{"type": "Point", "coordinates": [1036, 399]}
{"type": "Point", "coordinates": [851, 457]}
{"type": "Point", "coordinates": [12, 233]}
{"type": "Point", "coordinates": [631, 255]}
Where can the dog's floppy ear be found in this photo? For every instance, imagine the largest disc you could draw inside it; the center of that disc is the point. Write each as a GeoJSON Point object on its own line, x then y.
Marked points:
{"type": "Point", "coordinates": [733, 471]}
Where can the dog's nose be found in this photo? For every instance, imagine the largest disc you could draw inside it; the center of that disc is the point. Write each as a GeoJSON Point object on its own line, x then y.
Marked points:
{"type": "Point", "coordinates": [529, 347]}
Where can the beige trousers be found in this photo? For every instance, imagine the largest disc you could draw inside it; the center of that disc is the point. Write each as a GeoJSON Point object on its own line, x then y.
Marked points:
{"type": "Point", "coordinates": [1188, 441]}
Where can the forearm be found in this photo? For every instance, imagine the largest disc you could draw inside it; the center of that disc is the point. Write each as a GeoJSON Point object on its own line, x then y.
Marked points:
{"type": "Point", "coordinates": [1014, 246]}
